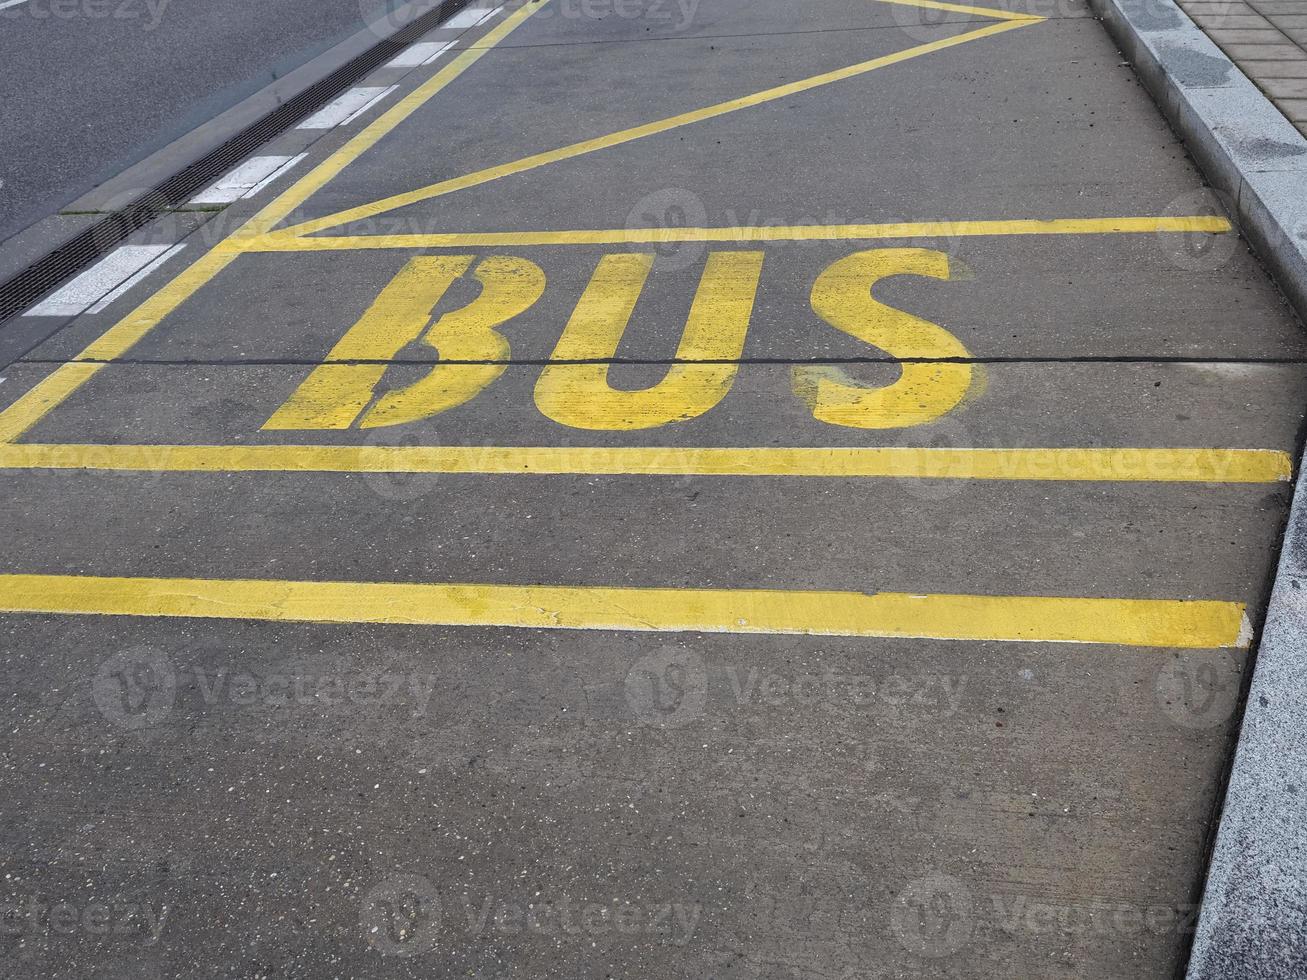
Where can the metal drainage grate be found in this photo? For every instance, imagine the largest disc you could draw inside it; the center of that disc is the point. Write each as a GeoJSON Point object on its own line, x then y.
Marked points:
{"type": "Point", "coordinates": [22, 290]}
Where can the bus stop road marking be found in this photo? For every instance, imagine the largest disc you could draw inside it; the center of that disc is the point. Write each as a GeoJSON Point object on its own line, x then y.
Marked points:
{"type": "Point", "coordinates": [1127, 465]}
{"type": "Point", "coordinates": [1168, 623]}
{"type": "Point", "coordinates": [653, 128]}
{"type": "Point", "coordinates": [1188, 224]}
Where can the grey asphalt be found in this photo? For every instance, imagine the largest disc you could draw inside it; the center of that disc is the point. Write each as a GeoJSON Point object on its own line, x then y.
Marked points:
{"type": "Point", "coordinates": [245, 797]}
{"type": "Point", "coordinates": [1252, 921]}
{"type": "Point", "coordinates": [92, 86]}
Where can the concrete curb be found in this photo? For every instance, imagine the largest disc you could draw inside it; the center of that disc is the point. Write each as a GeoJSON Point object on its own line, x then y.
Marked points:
{"type": "Point", "coordinates": [138, 184]}
{"type": "Point", "coordinates": [195, 144]}
{"type": "Point", "coordinates": [1253, 924]}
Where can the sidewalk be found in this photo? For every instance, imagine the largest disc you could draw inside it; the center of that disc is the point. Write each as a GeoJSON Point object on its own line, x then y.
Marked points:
{"type": "Point", "coordinates": [1267, 39]}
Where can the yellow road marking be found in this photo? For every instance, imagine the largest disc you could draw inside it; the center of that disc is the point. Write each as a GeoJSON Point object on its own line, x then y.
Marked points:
{"type": "Point", "coordinates": [1128, 622]}
{"type": "Point", "coordinates": [748, 234]}
{"type": "Point", "coordinates": [118, 339]}
{"type": "Point", "coordinates": [647, 129]}
{"type": "Point", "coordinates": [368, 137]}
{"type": "Point", "coordinates": [935, 370]}
{"type": "Point", "coordinates": [336, 394]}
{"type": "Point", "coordinates": [991, 12]}
{"type": "Point", "coordinates": [581, 395]}
{"type": "Point", "coordinates": [53, 389]}
{"type": "Point", "coordinates": [1096, 464]}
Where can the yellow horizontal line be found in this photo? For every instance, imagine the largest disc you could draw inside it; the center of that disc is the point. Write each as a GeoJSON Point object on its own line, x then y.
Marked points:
{"type": "Point", "coordinates": [1129, 622]}
{"type": "Point", "coordinates": [741, 235]}
{"type": "Point", "coordinates": [1149, 465]}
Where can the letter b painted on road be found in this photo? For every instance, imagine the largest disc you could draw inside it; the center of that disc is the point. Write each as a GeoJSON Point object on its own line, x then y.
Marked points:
{"type": "Point", "coordinates": [573, 388]}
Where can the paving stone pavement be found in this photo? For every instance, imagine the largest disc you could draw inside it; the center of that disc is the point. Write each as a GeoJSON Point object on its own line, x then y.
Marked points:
{"type": "Point", "coordinates": [1267, 39]}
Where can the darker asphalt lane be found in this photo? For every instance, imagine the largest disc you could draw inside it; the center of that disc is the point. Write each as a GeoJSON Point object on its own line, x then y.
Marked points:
{"type": "Point", "coordinates": [93, 86]}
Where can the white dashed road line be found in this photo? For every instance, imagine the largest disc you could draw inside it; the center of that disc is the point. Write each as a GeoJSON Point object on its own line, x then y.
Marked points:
{"type": "Point", "coordinates": [347, 107]}
{"type": "Point", "coordinates": [420, 54]}
{"type": "Point", "coordinates": [105, 281]}
{"type": "Point", "coordinates": [468, 17]}
{"type": "Point", "coordinates": [247, 180]}
{"type": "Point", "coordinates": [140, 274]}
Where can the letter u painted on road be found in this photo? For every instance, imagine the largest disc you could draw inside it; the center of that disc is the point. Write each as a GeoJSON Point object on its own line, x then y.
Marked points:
{"type": "Point", "coordinates": [573, 389]}
{"type": "Point", "coordinates": [579, 395]}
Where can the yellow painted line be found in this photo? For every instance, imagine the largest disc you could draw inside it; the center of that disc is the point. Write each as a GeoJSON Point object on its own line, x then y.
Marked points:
{"type": "Point", "coordinates": [118, 339]}
{"type": "Point", "coordinates": [330, 168]}
{"type": "Point", "coordinates": [1077, 464]}
{"type": "Point", "coordinates": [750, 235]}
{"type": "Point", "coordinates": [488, 174]}
{"type": "Point", "coordinates": [49, 393]}
{"type": "Point", "coordinates": [1034, 619]}
{"type": "Point", "coordinates": [961, 9]}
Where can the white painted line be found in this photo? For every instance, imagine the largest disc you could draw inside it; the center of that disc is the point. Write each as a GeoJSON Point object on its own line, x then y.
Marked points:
{"type": "Point", "coordinates": [438, 53]}
{"type": "Point", "coordinates": [468, 17]}
{"type": "Point", "coordinates": [420, 54]}
{"type": "Point", "coordinates": [11, 3]}
{"type": "Point", "coordinates": [247, 180]}
{"type": "Point", "coordinates": [370, 103]}
{"type": "Point", "coordinates": [276, 173]}
{"type": "Point", "coordinates": [346, 107]}
{"type": "Point", "coordinates": [141, 274]}
{"type": "Point", "coordinates": [116, 269]}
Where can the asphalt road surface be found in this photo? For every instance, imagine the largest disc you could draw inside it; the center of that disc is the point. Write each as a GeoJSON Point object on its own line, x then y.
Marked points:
{"type": "Point", "coordinates": [92, 86]}
{"type": "Point", "coordinates": [745, 489]}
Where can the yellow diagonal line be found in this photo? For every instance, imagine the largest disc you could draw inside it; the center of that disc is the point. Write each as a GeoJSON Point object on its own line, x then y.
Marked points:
{"type": "Point", "coordinates": [647, 129]}
{"type": "Point", "coordinates": [367, 138]}
{"type": "Point", "coordinates": [1203, 624]}
{"type": "Point", "coordinates": [118, 339]}
{"type": "Point", "coordinates": [957, 8]}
